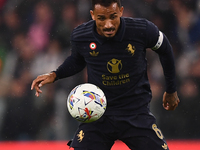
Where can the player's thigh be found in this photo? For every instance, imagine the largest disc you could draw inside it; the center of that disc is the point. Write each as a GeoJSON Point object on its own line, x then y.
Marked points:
{"type": "Point", "coordinates": [146, 139]}
{"type": "Point", "coordinates": [94, 136]}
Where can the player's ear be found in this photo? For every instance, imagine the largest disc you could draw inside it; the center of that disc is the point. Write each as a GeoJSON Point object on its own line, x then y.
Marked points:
{"type": "Point", "coordinates": [92, 14]}
{"type": "Point", "coordinates": [121, 11]}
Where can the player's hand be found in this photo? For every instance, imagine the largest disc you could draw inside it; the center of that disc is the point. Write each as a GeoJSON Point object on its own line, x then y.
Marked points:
{"type": "Point", "coordinates": [42, 80]}
{"type": "Point", "coordinates": [170, 101]}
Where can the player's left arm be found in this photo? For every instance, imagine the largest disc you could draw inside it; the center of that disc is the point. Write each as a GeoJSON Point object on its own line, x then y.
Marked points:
{"type": "Point", "coordinates": [164, 49]}
{"type": "Point", "coordinates": [165, 52]}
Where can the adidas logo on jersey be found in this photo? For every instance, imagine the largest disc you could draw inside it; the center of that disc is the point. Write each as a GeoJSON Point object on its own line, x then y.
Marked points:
{"type": "Point", "coordinates": [93, 53]}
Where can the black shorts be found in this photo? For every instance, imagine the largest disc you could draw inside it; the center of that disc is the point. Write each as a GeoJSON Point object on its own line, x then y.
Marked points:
{"type": "Point", "coordinates": [138, 132]}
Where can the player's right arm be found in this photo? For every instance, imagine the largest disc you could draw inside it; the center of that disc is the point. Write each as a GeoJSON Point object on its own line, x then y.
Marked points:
{"type": "Point", "coordinates": [72, 65]}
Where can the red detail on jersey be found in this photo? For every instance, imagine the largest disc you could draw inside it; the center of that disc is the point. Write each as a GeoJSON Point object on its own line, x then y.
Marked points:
{"type": "Point", "coordinates": [93, 46]}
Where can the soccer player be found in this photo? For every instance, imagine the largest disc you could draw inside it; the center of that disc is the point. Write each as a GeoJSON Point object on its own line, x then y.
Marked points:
{"type": "Point", "coordinates": [113, 48]}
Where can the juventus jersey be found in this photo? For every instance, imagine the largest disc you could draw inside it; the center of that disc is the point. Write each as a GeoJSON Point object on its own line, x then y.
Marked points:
{"type": "Point", "coordinates": [118, 65]}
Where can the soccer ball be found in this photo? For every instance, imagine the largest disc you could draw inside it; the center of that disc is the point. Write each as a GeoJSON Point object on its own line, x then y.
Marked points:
{"type": "Point", "coordinates": [86, 103]}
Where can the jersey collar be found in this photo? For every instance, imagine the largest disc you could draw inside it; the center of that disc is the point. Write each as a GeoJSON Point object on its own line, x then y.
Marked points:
{"type": "Point", "coordinates": [118, 37]}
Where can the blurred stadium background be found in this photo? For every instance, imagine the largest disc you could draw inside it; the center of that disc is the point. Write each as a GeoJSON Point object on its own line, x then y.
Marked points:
{"type": "Point", "coordinates": [34, 39]}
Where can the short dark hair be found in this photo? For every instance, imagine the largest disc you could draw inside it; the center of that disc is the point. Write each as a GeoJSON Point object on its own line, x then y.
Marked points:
{"type": "Point", "coordinates": [105, 3]}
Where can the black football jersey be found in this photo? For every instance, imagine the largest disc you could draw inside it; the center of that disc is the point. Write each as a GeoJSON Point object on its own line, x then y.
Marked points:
{"type": "Point", "coordinates": [117, 65]}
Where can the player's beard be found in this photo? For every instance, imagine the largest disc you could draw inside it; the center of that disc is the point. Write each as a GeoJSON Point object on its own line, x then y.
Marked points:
{"type": "Point", "coordinates": [109, 32]}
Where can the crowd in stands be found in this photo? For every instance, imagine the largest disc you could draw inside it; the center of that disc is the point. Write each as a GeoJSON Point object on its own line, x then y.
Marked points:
{"type": "Point", "coordinates": [35, 39]}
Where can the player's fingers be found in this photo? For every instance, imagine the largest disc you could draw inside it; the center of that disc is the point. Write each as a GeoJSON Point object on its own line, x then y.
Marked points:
{"type": "Point", "coordinates": [165, 103]}
{"type": "Point", "coordinates": [171, 107]}
{"type": "Point", "coordinates": [38, 80]}
{"type": "Point", "coordinates": [33, 84]}
{"type": "Point", "coordinates": [175, 104]}
{"type": "Point", "coordinates": [38, 89]}
{"type": "Point", "coordinates": [47, 79]}
{"type": "Point", "coordinates": [37, 94]}
{"type": "Point", "coordinates": [166, 106]}
{"type": "Point", "coordinates": [42, 83]}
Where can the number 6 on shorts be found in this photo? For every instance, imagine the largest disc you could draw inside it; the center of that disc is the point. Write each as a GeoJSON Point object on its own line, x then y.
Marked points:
{"type": "Point", "coordinates": [157, 131]}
